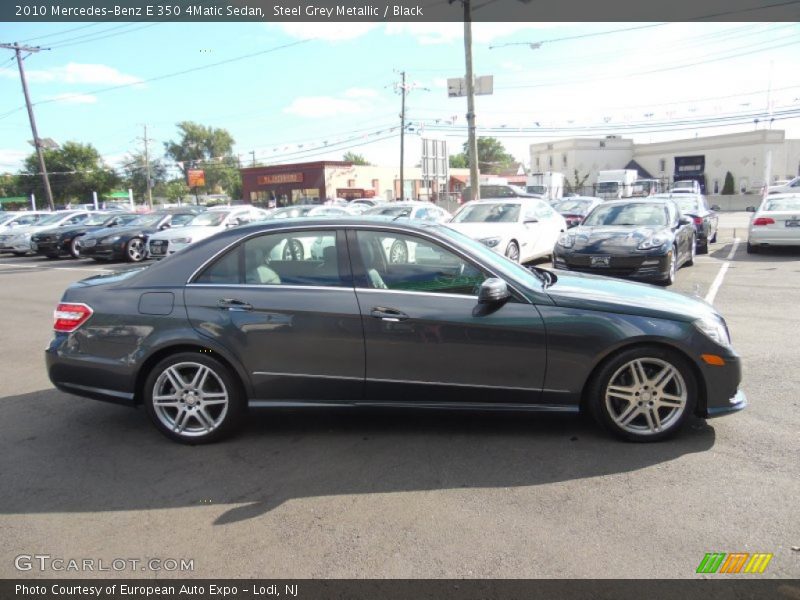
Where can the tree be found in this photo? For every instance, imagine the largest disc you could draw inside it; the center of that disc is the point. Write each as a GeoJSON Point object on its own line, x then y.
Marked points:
{"type": "Point", "coordinates": [76, 170]}
{"type": "Point", "coordinates": [356, 159]}
{"type": "Point", "coordinates": [492, 156]}
{"type": "Point", "coordinates": [210, 149]}
{"type": "Point", "coordinates": [728, 187]}
{"type": "Point", "coordinates": [136, 173]}
{"type": "Point", "coordinates": [577, 184]}
{"type": "Point", "coordinates": [176, 190]}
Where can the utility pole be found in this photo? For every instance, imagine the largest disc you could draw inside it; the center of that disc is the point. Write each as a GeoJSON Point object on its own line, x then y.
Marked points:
{"type": "Point", "coordinates": [402, 133]}
{"type": "Point", "coordinates": [253, 154]}
{"type": "Point", "coordinates": [472, 141]}
{"type": "Point", "coordinates": [36, 142]}
{"type": "Point", "coordinates": [147, 169]}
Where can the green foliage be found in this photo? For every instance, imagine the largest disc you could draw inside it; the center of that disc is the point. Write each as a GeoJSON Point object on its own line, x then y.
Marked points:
{"type": "Point", "coordinates": [210, 149]}
{"type": "Point", "coordinates": [176, 190]}
{"type": "Point", "coordinates": [356, 159]}
{"type": "Point", "coordinates": [136, 174]}
{"type": "Point", "coordinates": [492, 157]}
{"type": "Point", "coordinates": [728, 187]}
{"type": "Point", "coordinates": [577, 184]}
{"type": "Point", "coordinates": [76, 170]}
{"type": "Point", "coordinates": [10, 186]}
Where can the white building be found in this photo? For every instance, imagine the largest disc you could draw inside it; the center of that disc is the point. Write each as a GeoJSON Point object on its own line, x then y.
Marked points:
{"type": "Point", "coordinates": [743, 154]}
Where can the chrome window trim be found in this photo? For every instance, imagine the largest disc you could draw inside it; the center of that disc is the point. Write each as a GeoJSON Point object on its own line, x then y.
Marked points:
{"type": "Point", "coordinates": [274, 374]}
{"type": "Point", "coordinates": [361, 226]}
{"type": "Point", "coordinates": [415, 293]}
{"type": "Point", "coordinates": [275, 286]}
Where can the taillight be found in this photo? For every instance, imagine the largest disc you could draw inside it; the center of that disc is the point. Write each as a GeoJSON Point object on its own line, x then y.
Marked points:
{"type": "Point", "coordinates": [69, 316]}
{"type": "Point", "coordinates": [764, 221]}
{"type": "Point", "coordinates": [698, 220]}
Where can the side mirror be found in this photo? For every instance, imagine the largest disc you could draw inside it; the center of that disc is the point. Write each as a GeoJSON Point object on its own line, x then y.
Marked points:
{"type": "Point", "coordinates": [234, 223]}
{"type": "Point", "coordinates": [751, 209]}
{"type": "Point", "coordinates": [715, 207]}
{"type": "Point", "coordinates": [164, 226]}
{"type": "Point", "coordinates": [493, 291]}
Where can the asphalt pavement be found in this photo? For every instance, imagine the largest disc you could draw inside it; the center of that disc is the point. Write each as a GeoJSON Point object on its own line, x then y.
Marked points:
{"type": "Point", "coordinates": [385, 493]}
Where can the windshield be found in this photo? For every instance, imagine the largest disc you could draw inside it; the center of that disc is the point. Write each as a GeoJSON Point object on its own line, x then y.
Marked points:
{"type": "Point", "coordinates": [210, 219]}
{"type": "Point", "coordinates": [52, 219]}
{"type": "Point", "coordinates": [499, 212]}
{"type": "Point", "coordinates": [782, 204]}
{"type": "Point", "coordinates": [687, 205]}
{"type": "Point", "coordinates": [650, 214]}
{"type": "Point", "coordinates": [389, 211]}
{"type": "Point", "coordinates": [575, 207]}
{"type": "Point", "coordinates": [146, 221]}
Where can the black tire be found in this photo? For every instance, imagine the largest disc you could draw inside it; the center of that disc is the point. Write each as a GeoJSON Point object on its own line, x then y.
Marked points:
{"type": "Point", "coordinates": [713, 240]}
{"type": "Point", "coordinates": [135, 250]}
{"type": "Point", "coordinates": [74, 247]}
{"type": "Point", "coordinates": [52, 256]}
{"type": "Point", "coordinates": [224, 419]}
{"type": "Point", "coordinates": [398, 253]}
{"type": "Point", "coordinates": [751, 249]}
{"type": "Point", "coordinates": [702, 248]}
{"type": "Point", "coordinates": [673, 269]}
{"type": "Point", "coordinates": [690, 261]}
{"type": "Point", "coordinates": [609, 409]}
{"type": "Point", "coordinates": [512, 251]}
{"type": "Point", "coordinates": [293, 250]}
{"type": "Point", "coordinates": [19, 253]}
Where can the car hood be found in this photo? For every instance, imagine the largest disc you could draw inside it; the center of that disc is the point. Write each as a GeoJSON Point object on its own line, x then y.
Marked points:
{"type": "Point", "coordinates": [72, 231]}
{"type": "Point", "coordinates": [196, 232]}
{"type": "Point", "coordinates": [606, 238]}
{"type": "Point", "coordinates": [478, 231]}
{"type": "Point", "coordinates": [104, 232]}
{"type": "Point", "coordinates": [606, 294]}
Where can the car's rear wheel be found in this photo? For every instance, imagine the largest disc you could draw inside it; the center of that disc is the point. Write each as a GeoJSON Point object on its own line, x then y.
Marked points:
{"type": "Point", "coordinates": [135, 250]}
{"type": "Point", "coordinates": [752, 248]}
{"type": "Point", "coordinates": [398, 253]}
{"type": "Point", "coordinates": [512, 251]}
{"type": "Point", "coordinates": [644, 394]}
{"type": "Point", "coordinates": [293, 250]}
{"type": "Point", "coordinates": [193, 398]}
{"type": "Point", "coordinates": [75, 247]}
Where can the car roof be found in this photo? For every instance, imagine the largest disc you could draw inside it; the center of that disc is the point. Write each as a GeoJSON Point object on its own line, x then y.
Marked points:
{"type": "Point", "coordinates": [647, 200]}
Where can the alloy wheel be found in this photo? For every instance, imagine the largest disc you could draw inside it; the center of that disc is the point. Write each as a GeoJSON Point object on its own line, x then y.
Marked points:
{"type": "Point", "coordinates": [75, 247]}
{"type": "Point", "coordinates": [136, 250]}
{"type": "Point", "coordinates": [646, 396]}
{"type": "Point", "coordinates": [190, 399]}
{"type": "Point", "coordinates": [512, 252]}
{"type": "Point", "coordinates": [398, 254]}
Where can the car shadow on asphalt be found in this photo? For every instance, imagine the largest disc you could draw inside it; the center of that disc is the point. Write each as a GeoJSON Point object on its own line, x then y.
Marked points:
{"type": "Point", "coordinates": [66, 454]}
{"type": "Point", "coordinates": [776, 254]}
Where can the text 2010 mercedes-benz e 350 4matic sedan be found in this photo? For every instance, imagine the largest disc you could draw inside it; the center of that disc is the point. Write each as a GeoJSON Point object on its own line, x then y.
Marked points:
{"type": "Point", "coordinates": [234, 322]}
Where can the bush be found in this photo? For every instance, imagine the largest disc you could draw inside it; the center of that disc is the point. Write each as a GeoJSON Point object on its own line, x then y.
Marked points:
{"type": "Point", "coordinates": [728, 188]}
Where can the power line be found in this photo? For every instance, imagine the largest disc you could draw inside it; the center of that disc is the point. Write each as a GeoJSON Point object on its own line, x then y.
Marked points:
{"type": "Point", "coordinates": [60, 33]}
{"type": "Point", "coordinates": [66, 43]}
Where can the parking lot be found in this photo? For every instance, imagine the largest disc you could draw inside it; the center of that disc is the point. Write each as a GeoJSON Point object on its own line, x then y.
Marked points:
{"type": "Point", "coordinates": [417, 494]}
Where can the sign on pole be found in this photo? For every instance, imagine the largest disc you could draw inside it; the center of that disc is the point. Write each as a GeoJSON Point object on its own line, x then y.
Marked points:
{"type": "Point", "coordinates": [484, 86]}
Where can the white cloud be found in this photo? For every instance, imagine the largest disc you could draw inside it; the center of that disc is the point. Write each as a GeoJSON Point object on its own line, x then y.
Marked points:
{"type": "Point", "coordinates": [331, 32]}
{"type": "Point", "coordinates": [76, 73]}
{"type": "Point", "coordinates": [75, 98]}
{"type": "Point", "coordinates": [360, 93]}
{"type": "Point", "coordinates": [11, 160]}
{"type": "Point", "coordinates": [323, 106]}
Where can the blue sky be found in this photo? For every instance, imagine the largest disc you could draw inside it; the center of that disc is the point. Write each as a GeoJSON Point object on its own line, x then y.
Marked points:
{"type": "Point", "coordinates": [337, 84]}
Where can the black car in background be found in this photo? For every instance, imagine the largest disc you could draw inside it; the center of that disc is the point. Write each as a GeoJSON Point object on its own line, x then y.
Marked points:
{"type": "Point", "coordinates": [706, 220]}
{"type": "Point", "coordinates": [233, 322]}
{"type": "Point", "coordinates": [129, 241]}
{"type": "Point", "coordinates": [640, 239]}
{"type": "Point", "coordinates": [575, 208]}
{"type": "Point", "coordinates": [61, 241]}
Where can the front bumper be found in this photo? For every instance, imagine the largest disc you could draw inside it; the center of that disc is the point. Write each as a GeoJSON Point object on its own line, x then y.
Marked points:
{"type": "Point", "coordinates": [645, 267]}
{"type": "Point", "coordinates": [723, 395]}
{"type": "Point", "coordinates": [104, 251]}
{"type": "Point", "coordinates": [735, 404]}
{"type": "Point", "coordinates": [48, 247]}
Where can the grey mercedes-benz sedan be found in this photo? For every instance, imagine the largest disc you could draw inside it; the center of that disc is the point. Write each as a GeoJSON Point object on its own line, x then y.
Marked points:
{"type": "Point", "coordinates": [314, 312]}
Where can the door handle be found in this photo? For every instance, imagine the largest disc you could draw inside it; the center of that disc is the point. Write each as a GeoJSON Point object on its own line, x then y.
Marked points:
{"type": "Point", "coordinates": [234, 304]}
{"type": "Point", "coordinates": [388, 314]}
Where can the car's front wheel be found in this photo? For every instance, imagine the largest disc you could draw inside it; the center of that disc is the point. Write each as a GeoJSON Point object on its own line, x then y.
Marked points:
{"type": "Point", "coordinates": [643, 394]}
{"type": "Point", "coordinates": [193, 398]}
{"type": "Point", "coordinates": [135, 250]}
{"type": "Point", "coordinates": [75, 247]}
{"type": "Point", "coordinates": [512, 251]}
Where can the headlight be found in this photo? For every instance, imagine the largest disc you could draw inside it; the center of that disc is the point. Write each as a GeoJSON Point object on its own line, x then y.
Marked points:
{"type": "Point", "coordinates": [110, 239]}
{"type": "Point", "coordinates": [491, 242]}
{"type": "Point", "coordinates": [655, 241]}
{"type": "Point", "coordinates": [714, 329]}
{"type": "Point", "coordinates": [183, 240]}
{"type": "Point", "coordinates": [566, 240]}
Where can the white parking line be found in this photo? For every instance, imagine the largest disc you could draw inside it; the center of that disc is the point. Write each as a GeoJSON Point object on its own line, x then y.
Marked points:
{"type": "Point", "coordinates": [712, 291]}
{"type": "Point", "coordinates": [53, 268]}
